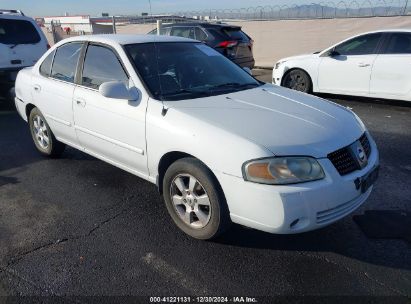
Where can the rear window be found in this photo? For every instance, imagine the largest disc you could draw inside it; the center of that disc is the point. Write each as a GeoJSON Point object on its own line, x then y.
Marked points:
{"type": "Point", "coordinates": [235, 34]}
{"type": "Point", "coordinates": [18, 32]}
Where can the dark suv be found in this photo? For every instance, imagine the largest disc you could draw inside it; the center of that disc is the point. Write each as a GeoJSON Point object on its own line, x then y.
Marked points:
{"type": "Point", "coordinates": [227, 39]}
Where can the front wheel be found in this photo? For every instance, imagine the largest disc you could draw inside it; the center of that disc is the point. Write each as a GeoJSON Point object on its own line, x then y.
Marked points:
{"type": "Point", "coordinates": [194, 199]}
{"type": "Point", "coordinates": [44, 139]}
{"type": "Point", "coordinates": [297, 80]}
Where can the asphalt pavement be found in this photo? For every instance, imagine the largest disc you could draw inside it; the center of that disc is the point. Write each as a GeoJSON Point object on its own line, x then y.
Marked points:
{"type": "Point", "coordinates": [77, 226]}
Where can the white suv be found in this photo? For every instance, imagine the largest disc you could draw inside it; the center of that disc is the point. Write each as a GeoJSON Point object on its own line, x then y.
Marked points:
{"type": "Point", "coordinates": [22, 43]}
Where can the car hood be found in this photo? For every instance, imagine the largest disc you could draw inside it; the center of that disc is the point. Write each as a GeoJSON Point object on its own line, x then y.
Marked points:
{"type": "Point", "coordinates": [299, 57]}
{"type": "Point", "coordinates": [283, 121]}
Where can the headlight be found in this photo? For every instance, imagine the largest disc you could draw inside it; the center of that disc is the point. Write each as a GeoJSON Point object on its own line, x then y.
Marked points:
{"type": "Point", "coordinates": [283, 170]}
{"type": "Point", "coordinates": [277, 65]}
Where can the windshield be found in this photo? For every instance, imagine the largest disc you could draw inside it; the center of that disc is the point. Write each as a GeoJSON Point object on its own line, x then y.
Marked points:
{"type": "Point", "coordinates": [181, 70]}
{"type": "Point", "coordinates": [18, 32]}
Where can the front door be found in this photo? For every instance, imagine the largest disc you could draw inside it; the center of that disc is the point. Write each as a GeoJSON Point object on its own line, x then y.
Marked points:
{"type": "Point", "coordinates": [111, 129]}
{"type": "Point", "coordinates": [347, 68]}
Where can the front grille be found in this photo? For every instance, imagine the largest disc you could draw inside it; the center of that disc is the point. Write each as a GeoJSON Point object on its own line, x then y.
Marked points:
{"type": "Point", "coordinates": [343, 159]}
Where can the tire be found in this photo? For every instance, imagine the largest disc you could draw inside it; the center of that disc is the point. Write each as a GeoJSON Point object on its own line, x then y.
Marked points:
{"type": "Point", "coordinates": [200, 210]}
{"type": "Point", "coordinates": [298, 80]}
{"type": "Point", "coordinates": [43, 138]}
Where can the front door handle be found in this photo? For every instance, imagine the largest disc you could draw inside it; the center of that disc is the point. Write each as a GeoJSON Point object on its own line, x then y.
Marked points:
{"type": "Point", "coordinates": [37, 88]}
{"type": "Point", "coordinates": [81, 102]}
{"type": "Point", "coordinates": [363, 65]}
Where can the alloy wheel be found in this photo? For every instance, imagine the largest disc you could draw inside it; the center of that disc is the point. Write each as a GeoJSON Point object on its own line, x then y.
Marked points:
{"type": "Point", "coordinates": [190, 201]}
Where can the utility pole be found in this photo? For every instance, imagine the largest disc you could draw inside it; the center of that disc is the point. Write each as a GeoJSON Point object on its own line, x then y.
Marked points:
{"type": "Point", "coordinates": [113, 19]}
{"type": "Point", "coordinates": [405, 8]}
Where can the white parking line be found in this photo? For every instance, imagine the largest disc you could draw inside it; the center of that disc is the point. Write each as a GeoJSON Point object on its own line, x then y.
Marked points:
{"type": "Point", "coordinates": [172, 273]}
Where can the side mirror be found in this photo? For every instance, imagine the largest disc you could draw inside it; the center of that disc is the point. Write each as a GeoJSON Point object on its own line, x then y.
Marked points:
{"type": "Point", "coordinates": [248, 70]}
{"type": "Point", "coordinates": [118, 90]}
{"type": "Point", "coordinates": [333, 53]}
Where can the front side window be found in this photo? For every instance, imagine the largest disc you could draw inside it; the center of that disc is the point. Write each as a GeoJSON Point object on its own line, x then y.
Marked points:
{"type": "Point", "coordinates": [182, 31]}
{"type": "Point", "coordinates": [363, 45]}
{"type": "Point", "coordinates": [184, 70]}
{"type": "Point", "coordinates": [101, 65]}
{"type": "Point", "coordinates": [65, 62]}
{"type": "Point", "coordinates": [18, 32]}
{"type": "Point", "coordinates": [399, 43]}
{"type": "Point", "coordinates": [45, 68]}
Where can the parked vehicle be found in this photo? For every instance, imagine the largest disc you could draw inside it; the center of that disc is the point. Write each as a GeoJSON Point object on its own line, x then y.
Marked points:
{"type": "Point", "coordinates": [229, 40]}
{"type": "Point", "coordinates": [373, 64]}
{"type": "Point", "coordinates": [221, 146]}
{"type": "Point", "coordinates": [22, 43]}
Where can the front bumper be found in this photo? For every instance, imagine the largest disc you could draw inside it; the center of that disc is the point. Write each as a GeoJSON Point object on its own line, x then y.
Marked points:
{"type": "Point", "coordinates": [296, 208]}
{"type": "Point", "coordinates": [278, 75]}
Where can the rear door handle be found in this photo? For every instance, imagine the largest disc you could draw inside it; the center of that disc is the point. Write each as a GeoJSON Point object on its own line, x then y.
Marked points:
{"type": "Point", "coordinates": [363, 65]}
{"type": "Point", "coordinates": [37, 88]}
{"type": "Point", "coordinates": [81, 102]}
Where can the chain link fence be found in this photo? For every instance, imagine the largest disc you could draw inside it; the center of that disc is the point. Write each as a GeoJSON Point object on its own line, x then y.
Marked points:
{"type": "Point", "coordinates": [320, 10]}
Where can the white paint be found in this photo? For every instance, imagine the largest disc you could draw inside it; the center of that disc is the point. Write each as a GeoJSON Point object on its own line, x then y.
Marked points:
{"type": "Point", "coordinates": [222, 131]}
{"type": "Point", "coordinates": [372, 75]}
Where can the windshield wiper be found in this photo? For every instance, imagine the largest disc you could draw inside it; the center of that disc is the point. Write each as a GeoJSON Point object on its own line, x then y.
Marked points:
{"type": "Point", "coordinates": [235, 85]}
{"type": "Point", "coordinates": [185, 92]}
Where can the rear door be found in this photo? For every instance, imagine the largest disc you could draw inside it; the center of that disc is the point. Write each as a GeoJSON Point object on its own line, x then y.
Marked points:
{"type": "Point", "coordinates": [52, 90]}
{"type": "Point", "coordinates": [391, 74]}
{"type": "Point", "coordinates": [21, 43]}
{"type": "Point", "coordinates": [348, 70]}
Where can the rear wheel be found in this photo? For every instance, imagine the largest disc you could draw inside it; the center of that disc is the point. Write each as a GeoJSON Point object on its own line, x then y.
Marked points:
{"type": "Point", "coordinates": [194, 199]}
{"type": "Point", "coordinates": [44, 139]}
{"type": "Point", "coordinates": [297, 80]}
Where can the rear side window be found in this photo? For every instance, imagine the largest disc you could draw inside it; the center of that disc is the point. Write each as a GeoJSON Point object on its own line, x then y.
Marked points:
{"type": "Point", "coordinates": [235, 34]}
{"type": "Point", "coordinates": [399, 43]}
{"type": "Point", "coordinates": [163, 31]}
{"type": "Point", "coordinates": [45, 68]}
{"type": "Point", "coordinates": [363, 45]}
{"type": "Point", "coordinates": [65, 62]}
{"type": "Point", "coordinates": [18, 32]}
{"type": "Point", "coordinates": [101, 65]}
{"type": "Point", "coordinates": [181, 31]}
{"type": "Point", "coordinates": [200, 34]}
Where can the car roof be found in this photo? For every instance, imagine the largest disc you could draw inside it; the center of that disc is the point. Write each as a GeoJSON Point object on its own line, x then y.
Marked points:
{"type": "Point", "coordinates": [127, 39]}
{"type": "Point", "coordinates": [386, 31]}
{"type": "Point", "coordinates": [15, 16]}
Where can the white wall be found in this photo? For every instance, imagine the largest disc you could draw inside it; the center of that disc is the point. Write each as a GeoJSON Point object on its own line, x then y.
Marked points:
{"type": "Point", "coordinates": [283, 38]}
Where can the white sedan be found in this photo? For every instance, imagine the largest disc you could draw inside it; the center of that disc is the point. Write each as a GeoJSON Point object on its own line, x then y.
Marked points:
{"type": "Point", "coordinates": [221, 146]}
{"type": "Point", "coordinates": [375, 64]}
